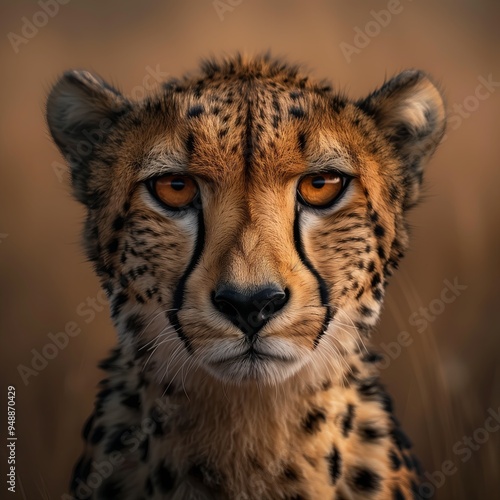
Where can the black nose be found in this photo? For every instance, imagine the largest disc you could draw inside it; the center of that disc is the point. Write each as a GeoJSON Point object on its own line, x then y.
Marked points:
{"type": "Point", "coordinates": [249, 311]}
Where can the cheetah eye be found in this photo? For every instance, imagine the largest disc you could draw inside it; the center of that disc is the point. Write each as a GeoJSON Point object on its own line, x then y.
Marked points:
{"type": "Point", "coordinates": [174, 190]}
{"type": "Point", "coordinates": [321, 190]}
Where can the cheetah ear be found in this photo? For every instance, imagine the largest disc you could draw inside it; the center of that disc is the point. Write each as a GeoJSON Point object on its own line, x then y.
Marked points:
{"type": "Point", "coordinates": [82, 110]}
{"type": "Point", "coordinates": [409, 109]}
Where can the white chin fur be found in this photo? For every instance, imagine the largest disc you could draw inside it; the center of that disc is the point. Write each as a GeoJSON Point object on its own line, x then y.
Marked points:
{"type": "Point", "coordinates": [240, 371]}
{"type": "Point", "coordinates": [226, 361]}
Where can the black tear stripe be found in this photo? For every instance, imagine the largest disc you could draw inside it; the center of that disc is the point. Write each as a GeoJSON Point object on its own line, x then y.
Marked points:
{"type": "Point", "coordinates": [173, 316]}
{"type": "Point", "coordinates": [323, 289]}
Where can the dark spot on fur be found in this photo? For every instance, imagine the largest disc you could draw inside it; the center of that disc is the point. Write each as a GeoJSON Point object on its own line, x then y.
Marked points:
{"type": "Point", "coordinates": [379, 231]}
{"type": "Point", "coordinates": [164, 478]}
{"type": "Point", "coordinates": [302, 141]}
{"type": "Point", "coordinates": [195, 111]}
{"type": "Point", "coordinates": [334, 464]}
{"type": "Point", "coordinates": [347, 420]}
{"type": "Point", "coordinates": [117, 304]}
{"type": "Point", "coordinates": [205, 475]}
{"type": "Point", "coordinates": [369, 433]}
{"type": "Point", "coordinates": [372, 357]}
{"type": "Point", "coordinates": [397, 495]}
{"type": "Point", "coordinates": [103, 394]}
{"type": "Point", "coordinates": [395, 460]}
{"type": "Point", "coordinates": [88, 427]}
{"type": "Point", "coordinates": [115, 442]}
{"type": "Point", "coordinates": [110, 362]}
{"type": "Point", "coordinates": [169, 389]}
{"type": "Point", "coordinates": [415, 491]}
{"type": "Point", "coordinates": [118, 223]}
{"type": "Point", "coordinates": [363, 479]}
{"type": "Point", "coordinates": [144, 449]}
{"type": "Point", "coordinates": [408, 462]}
{"type": "Point", "coordinates": [80, 472]}
{"type": "Point", "coordinates": [132, 401]}
{"type": "Point", "coordinates": [378, 295]}
{"type": "Point", "coordinates": [113, 245]}
{"type": "Point", "coordinates": [149, 487]}
{"type": "Point", "coordinates": [336, 102]}
{"type": "Point", "coordinates": [134, 324]}
{"type": "Point", "coordinates": [290, 473]}
{"type": "Point", "coordinates": [97, 435]}
{"type": "Point", "coordinates": [393, 193]}
{"type": "Point", "coordinates": [108, 288]}
{"type": "Point", "coordinates": [190, 144]}
{"type": "Point", "coordinates": [369, 387]}
{"type": "Point", "coordinates": [197, 472]}
{"type": "Point", "coordinates": [400, 439]}
{"type": "Point", "coordinates": [366, 311]}
{"type": "Point", "coordinates": [222, 133]}
{"type": "Point", "coordinates": [110, 489]}
{"type": "Point", "coordinates": [386, 401]}
{"type": "Point", "coordinates": [297, 112]}
{"type": "Point", "coordinates": [157, 416]}
{"type": "Point", "coordinates": [313, 420]}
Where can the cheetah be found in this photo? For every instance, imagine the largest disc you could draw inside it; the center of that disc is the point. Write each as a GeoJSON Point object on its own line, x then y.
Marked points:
{"type": "Point", "coordinates": [244, 220]}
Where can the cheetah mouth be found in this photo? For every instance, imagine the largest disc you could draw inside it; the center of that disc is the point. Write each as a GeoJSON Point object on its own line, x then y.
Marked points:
{"type": "Point", "coordinates": [253, 356]}
{"type": "Point", "coordinates": [267, 362]}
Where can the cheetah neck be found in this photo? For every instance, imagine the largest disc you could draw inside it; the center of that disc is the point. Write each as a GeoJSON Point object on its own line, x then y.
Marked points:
{"type": "Point", "coordinates": [248, 439]}
{"type": "Point", "coordinates": [224, 422]}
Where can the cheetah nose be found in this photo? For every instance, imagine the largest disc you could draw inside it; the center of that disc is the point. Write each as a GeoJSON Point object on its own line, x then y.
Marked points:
{"type": "Point", "coordinates": [249, 311]}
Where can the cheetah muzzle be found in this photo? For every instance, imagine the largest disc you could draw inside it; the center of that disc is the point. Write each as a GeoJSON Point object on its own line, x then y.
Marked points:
{"type": "Point", "coordinates": [243, 222]}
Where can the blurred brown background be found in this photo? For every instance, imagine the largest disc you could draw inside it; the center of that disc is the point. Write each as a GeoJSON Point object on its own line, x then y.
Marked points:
{"type": "Point", "coordinates": [444, 383]}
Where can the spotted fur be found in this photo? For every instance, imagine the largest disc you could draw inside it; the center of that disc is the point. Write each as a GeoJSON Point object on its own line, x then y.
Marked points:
{"type": "Point", "coordinates": [190, 407]}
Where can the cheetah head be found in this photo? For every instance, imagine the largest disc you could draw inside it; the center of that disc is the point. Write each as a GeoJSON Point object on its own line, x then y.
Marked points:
{"type": "Point", "coordinates": [244, 221]}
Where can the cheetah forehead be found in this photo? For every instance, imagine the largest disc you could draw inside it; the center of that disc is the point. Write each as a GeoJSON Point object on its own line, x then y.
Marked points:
{"type": "Point", "coordinates": [244, 113]}
{"type": "Point", "coordinates": [254, 116]}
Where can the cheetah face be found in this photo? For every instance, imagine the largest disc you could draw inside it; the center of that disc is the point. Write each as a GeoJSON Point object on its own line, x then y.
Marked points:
{"type": "Point", "coordinates": [244, 222]}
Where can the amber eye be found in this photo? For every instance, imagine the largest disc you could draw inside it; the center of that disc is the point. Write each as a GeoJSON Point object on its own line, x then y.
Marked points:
{"type": "Point", "coordinates": [175, 191]}
{"type": "Point", "coordinates": [321, 190]}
